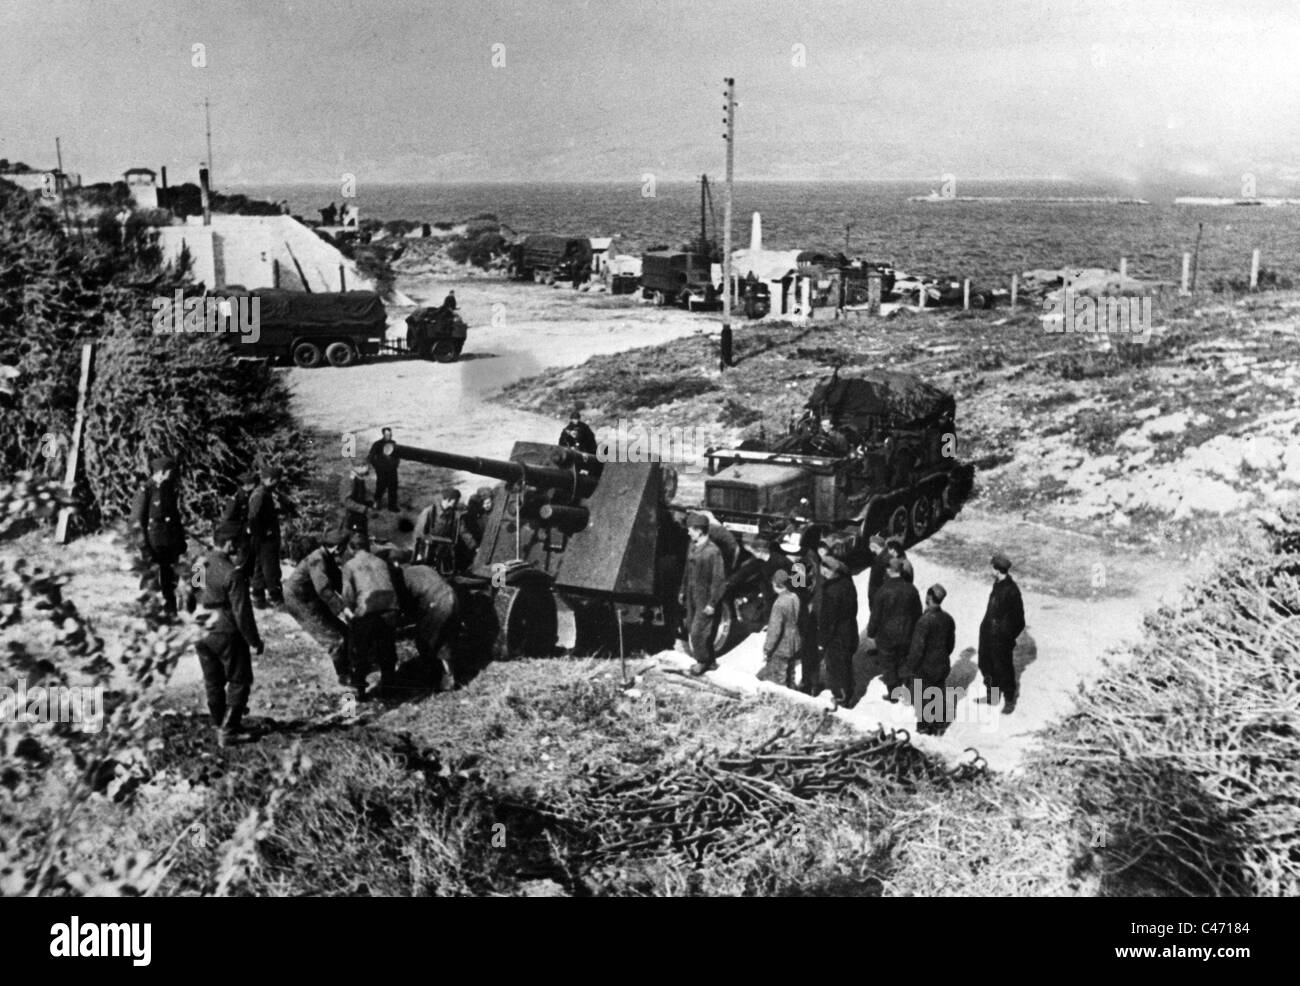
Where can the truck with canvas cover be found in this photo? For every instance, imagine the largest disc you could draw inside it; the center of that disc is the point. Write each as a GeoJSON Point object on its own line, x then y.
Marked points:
{"type": "Point", "coordinates": [547, 259]}
{"type": "Point", "coordinates": [673, 277]}
{"type": "Point", "coordinates": [338, 328]}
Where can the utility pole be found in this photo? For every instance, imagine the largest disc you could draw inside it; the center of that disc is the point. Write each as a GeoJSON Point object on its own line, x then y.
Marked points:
{"type": "Point", "coordinates": [207, 122]}
{"type": "Point", "coordinates": [730, 138]}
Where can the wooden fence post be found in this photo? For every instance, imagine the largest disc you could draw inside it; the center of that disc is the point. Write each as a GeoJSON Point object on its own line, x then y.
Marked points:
{"type": "Point", "coordinates": [74, 450]}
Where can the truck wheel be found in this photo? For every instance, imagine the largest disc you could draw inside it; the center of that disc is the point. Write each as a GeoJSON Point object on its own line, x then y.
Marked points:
{"type": "Point", "coordinates": [725, 628]}
{"type": "Point", "coordinates": [307, 355]}
{"type": "Point", "coordinates": [923, 516]}
{"type": "Point", "coordinates": [898, 524]}
{"type": "Point", "coordinates": [340, 354]}
{"type": "Point", "coordinates": [445, 351]}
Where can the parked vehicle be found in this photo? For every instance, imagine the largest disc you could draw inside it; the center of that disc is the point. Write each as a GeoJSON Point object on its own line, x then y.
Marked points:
{"type": "Point", "coordinates": [674, 277]}
{"type": "Point", "coordinates": [547, 259]}
{"type": "Point", "coordinates": [436, 333]}
{"type": "Point", "coordinates": [942, 291]}
{"type": "Point", "coordinates": [338, 328]}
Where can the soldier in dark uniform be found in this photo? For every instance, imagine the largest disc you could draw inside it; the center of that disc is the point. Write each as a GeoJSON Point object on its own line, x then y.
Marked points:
{"type": "Point", "coordinates": [476, 513]}
{"type": "Point", "coordinates": [383, 456]}
{"type": "Point", "coordinates": [236, 510]}
{"type": "Point", "coordinates": [879, 565]}
{"type": "Point", "coordinates": [1002, 624]}
{"type": "Point", "coordinates": [157, 520]}
{"type": "Point", "coordinates": [929, 661]}
{"type": "Point", "coordinates": [449, 302]}
{"type": "Point", "coordinates": [313, 596]}
{"type": "Point", "coordinates": [449, 542]}
{"type": "Point", "coordinates": [355, 500]}
{"type": "Point", "coordinates": [577, 434]}
{"type": "Point", "coordinates": [898, 607]}
{"type": "Point", "coordinates": [837, 624]}
{"type": "Point", "coordinates": [220, 590]}
{"type": "Point", "coordinates": [263, 532]}
{"type": "Point", "coordinates": [702, 589]}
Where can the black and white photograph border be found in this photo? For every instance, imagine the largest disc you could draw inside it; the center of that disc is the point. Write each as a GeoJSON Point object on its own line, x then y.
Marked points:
{"type": "Point", "coordinates": [591, 449]}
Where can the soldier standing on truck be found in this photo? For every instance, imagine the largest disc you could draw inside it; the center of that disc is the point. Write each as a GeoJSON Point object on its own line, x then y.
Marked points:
{"type": "Point", "coordinates": [263, 532]}
{"type": "Point", "coordinates": [702, 589]}
{"type": "Point", "coordinates": [383, 456]}
{"type": "Point", "coordinates": [230, 633]}
{"type": "Point", "coordinates": [157, 515]}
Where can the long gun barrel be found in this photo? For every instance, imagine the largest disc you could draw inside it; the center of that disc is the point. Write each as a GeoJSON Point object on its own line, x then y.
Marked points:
{"type": "Point", "coordinates": [574, 485]}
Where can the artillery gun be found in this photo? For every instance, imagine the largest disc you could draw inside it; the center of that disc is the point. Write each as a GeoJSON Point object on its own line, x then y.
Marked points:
{"type": "Point", "coordinates": [571, 545]}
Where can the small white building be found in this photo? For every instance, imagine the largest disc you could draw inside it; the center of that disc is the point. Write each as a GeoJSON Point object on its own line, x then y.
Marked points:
{"type": "Point", "coordinates": [791, 289]}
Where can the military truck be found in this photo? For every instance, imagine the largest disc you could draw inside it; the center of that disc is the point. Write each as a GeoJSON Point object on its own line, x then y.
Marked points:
{"type": "Point", "coordinates": [674, 277]}
{"type": "Point", "coordinates": [312, 329]}
{"type": "Point", "coordinates": [547, 259]}
{"type": "Point", "coordinates": [873, 453]}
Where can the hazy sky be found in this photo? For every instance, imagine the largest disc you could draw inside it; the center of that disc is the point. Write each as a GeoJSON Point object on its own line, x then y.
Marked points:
{"type": "Point", "coordinates": [405, 90]}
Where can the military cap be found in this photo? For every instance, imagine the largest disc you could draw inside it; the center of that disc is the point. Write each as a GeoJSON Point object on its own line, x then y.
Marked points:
{"type": "Point", "coordinates": [336, 538]}
{"type": "Point", "coordinates": [1001, 562]}
{"type": "Point", "coordinates": [938, 592]}
{"type": "Point", "coordinates": [449, 493]}
{"type": "Point", "coordinates": [697, 520]}
{"type": "Point", "coordinates": [161, 463]}
{"type": "Point", "coordinates": [272, 473]}
{"type": "Point", "coordinates": [780, 577]}
{"type": "Point", "coordinates": [483, 492]}
{"type": "Point", "coordinates": [792, 544]}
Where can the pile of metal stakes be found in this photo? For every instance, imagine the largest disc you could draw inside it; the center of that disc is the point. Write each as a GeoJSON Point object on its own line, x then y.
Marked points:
{"type": "Point", "coordinates": [720, 809]}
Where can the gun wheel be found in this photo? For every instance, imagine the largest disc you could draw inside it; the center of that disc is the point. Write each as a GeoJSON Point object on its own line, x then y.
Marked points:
{"type": "Point", "coordinates": [527, 618]}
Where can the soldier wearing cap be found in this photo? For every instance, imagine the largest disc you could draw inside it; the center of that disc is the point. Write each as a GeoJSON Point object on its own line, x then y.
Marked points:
{"type": "Point", "coordinates": [156, 513]}
{"type": "Point", "coordinates": [476, 513]}
{"type": "Point", "coordinates": [837, 627]}
{"type": "Point", "coordinates": [236, 508]}
{"type": "Point", "coordinates": [703, 585]}
{"type": "Point", "coordinates": [369, 592]}
{"type": "Point", "coordinates": [220, 589]}
{"type": "Point", "coordinates": [449, 544]}
{"type": "Point", "coordinates": [264, 539]}
{"type": "Point", "coordinates": [1004, 619]}
{"type": "Point", "coordinates": [313, 596]}
{"type": "Point", "coordinates": [879, 566]}
{"type": "Point", "coordinates": [784, 643]}
{"type": "Point", "coordinates": [898, 607]}
{"type": "Point", "coordinates": [928, 662]}
{"type": "Point", "coordinates": [577, 434]}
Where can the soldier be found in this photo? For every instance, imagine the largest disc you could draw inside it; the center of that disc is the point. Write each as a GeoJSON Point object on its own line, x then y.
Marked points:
{"type": "Point", "coordinates": [263, 532]}
{"type": "Point", "coordinates": [383, 456]}
{"type": "Point", "coordinates": [806, 580]}
{"type": "Point", "coordinates": [230, 630]}
{"type": "Point", "coordinates": [837, 625]}
{"type": "Point", "coordinates": [783, 645]}
{"type": "Point", "coordinates": [894, 546]}
{"type": "Point", "coordinates": [355, 500]}
{"type": "Point", "coordinates": [236, 508]}
{"type": "Point", "coordinates": [1002, 624]}
{"type": "Point", "coordinates": [879, 566]}
{"type": "Point", "coordinates": [157, 516]}
{"type": "Point", "coordinates": [929, 661]}
{"type": "Point", "coordinates": [368, 591]}
{"type": "Point", "coordinates": [449, 543]}
{"type": "Point", "coordinates": [313, 597]}
{"type": "Point", "coordinates": [449, 302]}
{"type": "Point", "coordinates": [898, 607]}
{"type": "Point", "coordinates": [476, 513]}
{"type": "Point", "coordinates": [433, 604]}
{"type": "Point", "coordinates": [702, 589]}
{"type": "Point", "coordinates": [577, 434]}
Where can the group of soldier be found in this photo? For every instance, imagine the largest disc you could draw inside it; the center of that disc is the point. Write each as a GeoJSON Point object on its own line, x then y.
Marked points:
{"type": "Point", "coordinates": [813, 631]}
{"type": "Point", "coordinates": [350, 596]}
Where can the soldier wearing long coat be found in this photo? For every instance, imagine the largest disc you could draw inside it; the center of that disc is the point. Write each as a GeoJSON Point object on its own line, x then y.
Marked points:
{"type": "Point", "coordinates": [1003, 622]}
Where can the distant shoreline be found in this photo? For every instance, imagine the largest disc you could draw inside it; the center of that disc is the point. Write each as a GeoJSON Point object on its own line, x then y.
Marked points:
{"type": "Point", "coordinates": [1047, 199]}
